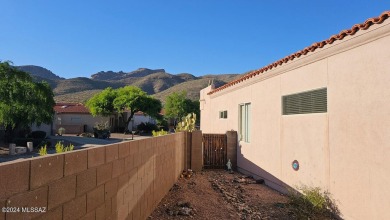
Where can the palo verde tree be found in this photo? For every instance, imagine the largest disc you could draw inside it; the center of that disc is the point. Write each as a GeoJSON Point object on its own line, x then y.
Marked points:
{"type": "Point", "coordinates": [126, 99]}
{"type": "Point", "coordinates": [23, 101]}
{"type": "Point", "coordinates": [177, 106]}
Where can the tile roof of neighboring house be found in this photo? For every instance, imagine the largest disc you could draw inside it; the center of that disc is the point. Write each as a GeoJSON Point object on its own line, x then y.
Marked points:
{"type": "Point", "coordinates": [71, 108]}
{"type": "Point", "coordinates": [61, 108]}
{"type": "Point", "coordinates": [363, 26]}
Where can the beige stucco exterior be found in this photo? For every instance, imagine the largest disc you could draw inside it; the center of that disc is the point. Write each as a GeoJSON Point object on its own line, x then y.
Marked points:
{"type": "Point", "coordinates": [345, 150]}
{"type": "Point", "coordinates": [74, 122]}
{"type": "Point", "coordinates": [77, 126]}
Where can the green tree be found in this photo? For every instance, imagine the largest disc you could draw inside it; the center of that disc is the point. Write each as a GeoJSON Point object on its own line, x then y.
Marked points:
{"type": "Point", "coordinates": [23, 101]}
{"type": "Point", "coordinates": [177, 106]}
{"type": "Point", "coordinates": [126, 99]}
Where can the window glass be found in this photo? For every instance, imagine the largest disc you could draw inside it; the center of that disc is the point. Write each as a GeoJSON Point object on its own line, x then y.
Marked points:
{"type": "Point", "coordinates": [245, 118]}
{"type": "Point", "coordinates": [223, 114]}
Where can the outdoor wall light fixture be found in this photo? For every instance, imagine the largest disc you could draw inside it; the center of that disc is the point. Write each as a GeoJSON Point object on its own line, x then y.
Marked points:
{"type": "Point", "coordinates": [295, 165]}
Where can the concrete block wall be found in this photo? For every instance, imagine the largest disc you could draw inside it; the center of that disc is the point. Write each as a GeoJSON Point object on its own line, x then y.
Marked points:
{"type": "Point", "coordinates": [187, 150]}
{"type": "Point", "coordinates": [118, 181]}
{"type": "Point", "coordinates": [196, 151]}
{"type": "Point", "coordinates": [231, 144]}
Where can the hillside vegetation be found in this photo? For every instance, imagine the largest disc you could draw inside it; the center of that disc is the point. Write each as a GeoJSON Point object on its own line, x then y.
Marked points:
{"type": "Point", "coordinates": [155, 82]}
{"type": "Point", "coordinates": [77, 97]}
{"type": "Point", "coordinates": [193, 88]}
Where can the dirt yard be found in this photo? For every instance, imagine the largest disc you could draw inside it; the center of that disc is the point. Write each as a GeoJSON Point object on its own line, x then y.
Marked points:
{"type": "Point", "coordinates": [220, 195]}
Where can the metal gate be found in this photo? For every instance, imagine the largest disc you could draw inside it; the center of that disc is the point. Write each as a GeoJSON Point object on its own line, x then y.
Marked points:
{"type": "Point", "coordinates": [214, 151]}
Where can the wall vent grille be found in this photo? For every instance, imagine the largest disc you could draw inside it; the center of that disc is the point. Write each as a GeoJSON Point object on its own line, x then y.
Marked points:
{"type": "Point", "coordinates": [314, 101]}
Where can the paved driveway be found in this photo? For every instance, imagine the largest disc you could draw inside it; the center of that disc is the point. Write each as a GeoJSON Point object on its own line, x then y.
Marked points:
{"type": "Point", "coordinates": [86, 142]}
{"type": "Point", "coordinates": [79, 142]}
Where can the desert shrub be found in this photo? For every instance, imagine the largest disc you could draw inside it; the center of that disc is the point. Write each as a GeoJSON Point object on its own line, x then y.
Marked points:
{"type": "Point", "coordinates": [38, 134]}
{"type": "Point", "coordinates": [60, 148]}
{"type": "Point", "coordinates": [42, 151]}
{"type": "Point", "coordinates": [102, 130]}
{"type": "Point", "coordinates": [147, 127]}
{"type": "Point", "coordinates": [61, 131]}
{"type": "Point", "coordinates": [313, 203]}
{"type": "Point", "coordinates": [102, 125]}
{"type": "Point", "coordinates": [86, 135]}
{"type": "Point", "coordinates": [163, 124]}
{"type": "Point", "coordinates": [159, 133]}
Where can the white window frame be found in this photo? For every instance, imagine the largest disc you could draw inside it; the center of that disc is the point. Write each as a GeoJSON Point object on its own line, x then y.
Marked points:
{"type": "Point", "coordinates": [223, 114]}
{"type": "Point", "coordinates": [244, 121]}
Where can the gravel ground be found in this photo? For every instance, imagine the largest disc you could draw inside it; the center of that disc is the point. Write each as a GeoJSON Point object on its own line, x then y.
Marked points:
{"type": "Point", "coordinates": [220, 195]}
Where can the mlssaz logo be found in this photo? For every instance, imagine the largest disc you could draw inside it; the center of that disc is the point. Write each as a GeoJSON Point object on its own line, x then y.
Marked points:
{"type": "Point", "coordinates": [33, 209]}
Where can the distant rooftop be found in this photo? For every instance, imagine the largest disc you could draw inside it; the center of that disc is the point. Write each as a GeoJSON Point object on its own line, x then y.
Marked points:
{"type": "Point", "coordinates": [79, 108]}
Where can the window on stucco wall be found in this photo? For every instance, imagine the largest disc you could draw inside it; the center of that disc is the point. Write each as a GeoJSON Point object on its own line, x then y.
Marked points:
{"type": "Point", "coordinates": [223, 114]}
{"type": "Point", "coordinates": [244, 122]}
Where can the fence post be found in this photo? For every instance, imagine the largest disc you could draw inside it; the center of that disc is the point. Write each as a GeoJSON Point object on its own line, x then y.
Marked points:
{"type": "Point", "coordinates": [196, 151]}
{"type": "Point", "coordinates": [187, 150]}
{"type": "Point", "coordinates": [231, 142]}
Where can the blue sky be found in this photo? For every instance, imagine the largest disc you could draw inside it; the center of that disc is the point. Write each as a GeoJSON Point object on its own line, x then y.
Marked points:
{"type": "Point", "coordinates": [79, 38]}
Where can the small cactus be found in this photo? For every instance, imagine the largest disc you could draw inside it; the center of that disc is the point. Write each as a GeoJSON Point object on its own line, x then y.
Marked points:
{"type": "Point", "coordinates": [187, 123]}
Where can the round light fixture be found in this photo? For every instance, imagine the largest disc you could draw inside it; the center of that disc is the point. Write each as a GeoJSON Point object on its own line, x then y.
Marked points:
{"type": "Point", "coordinates": [295, 165]}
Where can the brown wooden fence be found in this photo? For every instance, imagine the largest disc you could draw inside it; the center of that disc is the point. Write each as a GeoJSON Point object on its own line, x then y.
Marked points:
{"type": "Point", "coordinates": [214, 151]}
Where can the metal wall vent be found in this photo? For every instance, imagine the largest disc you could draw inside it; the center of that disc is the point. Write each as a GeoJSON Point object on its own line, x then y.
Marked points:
{"type": "Point", "coordinates": [314, 101]}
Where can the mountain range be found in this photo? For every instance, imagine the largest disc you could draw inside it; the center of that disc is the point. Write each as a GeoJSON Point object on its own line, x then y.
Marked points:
{"type": "Point", "coordinates": [157, 82]}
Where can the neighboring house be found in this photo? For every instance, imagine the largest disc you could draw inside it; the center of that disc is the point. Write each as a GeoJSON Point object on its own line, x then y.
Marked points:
{"type": "Point", "coordinates": [326, 107]}
{"type": "Point", "coordinates": [138, 118]}
{"type": "Point", "coordinates": [76, 118]}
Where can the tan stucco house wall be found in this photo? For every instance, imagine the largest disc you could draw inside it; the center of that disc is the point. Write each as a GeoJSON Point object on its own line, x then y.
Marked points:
{"type": "Point", "coordinates": [345, 150]}
{"type": "Point", "coordinates": [74, 122]}
{"type": "Point", "coordinates": [74, 116]}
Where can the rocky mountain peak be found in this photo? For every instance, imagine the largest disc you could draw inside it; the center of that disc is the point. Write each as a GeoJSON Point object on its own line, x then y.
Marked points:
{"type": "Point", "coordinates": [111, 75]}
{"type": "Point", "coordinates": [39, 71]}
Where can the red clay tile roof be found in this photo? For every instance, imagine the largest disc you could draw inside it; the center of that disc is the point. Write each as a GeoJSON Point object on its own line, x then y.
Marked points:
{"type": "Point", "coordinates": [61, 108]}
{"type": "Point", "coordinates": [385, 15]}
